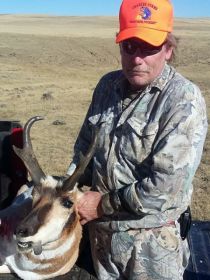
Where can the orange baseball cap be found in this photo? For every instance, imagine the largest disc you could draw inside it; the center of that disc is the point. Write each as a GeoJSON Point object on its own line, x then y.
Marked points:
{"type": "Point", "coordinates": [148, 20]}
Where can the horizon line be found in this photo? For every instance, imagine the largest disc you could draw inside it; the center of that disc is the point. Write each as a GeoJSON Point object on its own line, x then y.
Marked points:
{"type": "Point", "coordinates": [99, 15]}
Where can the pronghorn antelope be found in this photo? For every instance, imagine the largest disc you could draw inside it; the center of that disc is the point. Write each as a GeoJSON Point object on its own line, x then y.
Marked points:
{"type": "Point", "coordinates": [45, 243]}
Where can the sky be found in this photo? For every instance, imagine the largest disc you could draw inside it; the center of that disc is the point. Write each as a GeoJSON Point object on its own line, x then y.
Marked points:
{"type": "Point", "coordinates": [182, 8]}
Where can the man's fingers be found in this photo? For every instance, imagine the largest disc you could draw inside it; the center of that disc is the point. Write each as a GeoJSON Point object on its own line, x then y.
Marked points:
{"type": "Point", "coordinates": [81, 204]}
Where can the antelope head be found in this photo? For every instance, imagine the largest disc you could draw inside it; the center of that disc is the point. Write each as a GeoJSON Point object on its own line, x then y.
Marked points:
{"type": "Point", "coordinates": [54, 214]}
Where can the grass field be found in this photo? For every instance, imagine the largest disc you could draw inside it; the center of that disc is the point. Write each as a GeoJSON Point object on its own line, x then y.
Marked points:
{"type": "Point", "coordinates": [49, 66]}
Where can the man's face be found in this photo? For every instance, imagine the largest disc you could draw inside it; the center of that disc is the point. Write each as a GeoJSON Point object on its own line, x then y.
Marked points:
{"type": "Point", "coordinates": [141, 62]}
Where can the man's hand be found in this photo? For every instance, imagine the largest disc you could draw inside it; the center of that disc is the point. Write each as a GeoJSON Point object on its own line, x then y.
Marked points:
{"type": "Point", "coordinates": [89, 206]}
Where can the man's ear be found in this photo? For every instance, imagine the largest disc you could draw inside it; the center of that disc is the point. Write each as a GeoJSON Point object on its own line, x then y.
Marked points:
{"type": "Point", "coordinates": [169, 52]}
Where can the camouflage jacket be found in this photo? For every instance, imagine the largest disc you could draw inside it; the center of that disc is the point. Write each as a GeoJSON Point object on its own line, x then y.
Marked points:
{"type": "Point", "coordinates": [148, 153]}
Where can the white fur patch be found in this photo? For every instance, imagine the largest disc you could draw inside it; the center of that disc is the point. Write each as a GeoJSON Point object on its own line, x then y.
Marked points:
{"type": "Point", "coordinates": [49, 182]}
{"type": "Point", "coordinates": [48, 254]}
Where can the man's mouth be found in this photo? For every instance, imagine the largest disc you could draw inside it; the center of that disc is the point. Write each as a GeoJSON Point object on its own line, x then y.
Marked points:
{"type": "Point", "coordinates": [138, 72]}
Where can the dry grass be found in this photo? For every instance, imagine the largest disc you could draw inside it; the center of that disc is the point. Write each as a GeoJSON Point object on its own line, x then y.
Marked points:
{"type": "Point", "coordinates": [50, 65]}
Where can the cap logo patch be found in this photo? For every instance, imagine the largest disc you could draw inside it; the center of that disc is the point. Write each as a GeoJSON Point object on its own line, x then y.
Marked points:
{"type": "Point", "coordinates": [145, 13]}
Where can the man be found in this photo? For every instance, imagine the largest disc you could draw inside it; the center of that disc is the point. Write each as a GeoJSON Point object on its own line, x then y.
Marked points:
{"type": "Point", "coordinates": [152, 129]}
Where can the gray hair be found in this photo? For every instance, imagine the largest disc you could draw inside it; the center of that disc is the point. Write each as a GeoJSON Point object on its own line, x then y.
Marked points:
{"type": "Point", "coordinates": [172, 42]}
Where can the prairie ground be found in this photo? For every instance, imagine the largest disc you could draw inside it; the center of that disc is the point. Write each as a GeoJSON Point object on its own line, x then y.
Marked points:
{"type": "Point", "coordinates": [50, 66]}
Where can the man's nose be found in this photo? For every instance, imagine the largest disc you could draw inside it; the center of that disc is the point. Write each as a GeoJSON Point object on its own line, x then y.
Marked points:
{"type": "Point", "coordinates": [137, 57]}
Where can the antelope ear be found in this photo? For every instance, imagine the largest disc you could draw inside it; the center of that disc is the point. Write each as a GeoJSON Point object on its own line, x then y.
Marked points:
{"type": "Point", "coordinates": [76, 193]}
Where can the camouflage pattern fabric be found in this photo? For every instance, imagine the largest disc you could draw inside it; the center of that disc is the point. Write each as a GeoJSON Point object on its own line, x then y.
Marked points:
{"type": "Point", "coordinates": [155, 254]}
{"type": "Point", "coordinates": [147, 153]}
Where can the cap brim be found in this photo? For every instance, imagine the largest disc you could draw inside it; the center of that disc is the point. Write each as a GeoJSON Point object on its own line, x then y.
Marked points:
{"type": "Point", "coordinates": [151, 36]}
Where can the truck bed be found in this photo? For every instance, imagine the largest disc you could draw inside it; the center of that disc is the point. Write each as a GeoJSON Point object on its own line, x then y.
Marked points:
{"type": "Point", "coordinates": [199, 242]}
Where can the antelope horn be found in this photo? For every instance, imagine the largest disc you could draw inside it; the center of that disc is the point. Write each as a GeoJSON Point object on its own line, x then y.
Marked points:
{"type": "Point", "coordinates": [27, 154]}
{"type": "Point", "coordinates": [70, 182]}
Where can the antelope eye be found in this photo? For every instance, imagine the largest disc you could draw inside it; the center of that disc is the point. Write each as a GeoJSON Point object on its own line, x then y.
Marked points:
{"type": "Point", "coordinates": [66, 202]}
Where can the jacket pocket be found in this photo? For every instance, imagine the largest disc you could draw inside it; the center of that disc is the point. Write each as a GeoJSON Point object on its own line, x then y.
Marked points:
{"type": "Point", "coordinates": [137, 139]}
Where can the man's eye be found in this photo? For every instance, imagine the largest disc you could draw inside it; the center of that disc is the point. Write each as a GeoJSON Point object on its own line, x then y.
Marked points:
{"type": "Point", "coordinates": [66, 202]}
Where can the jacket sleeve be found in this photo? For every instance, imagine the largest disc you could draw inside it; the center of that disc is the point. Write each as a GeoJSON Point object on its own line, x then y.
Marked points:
{"type": "Point", "coordinates": [171, 166]}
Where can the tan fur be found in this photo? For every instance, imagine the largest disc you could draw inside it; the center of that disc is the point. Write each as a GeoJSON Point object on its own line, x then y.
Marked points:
{"type": "Point", "coordinates": [69, 258]}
